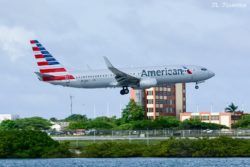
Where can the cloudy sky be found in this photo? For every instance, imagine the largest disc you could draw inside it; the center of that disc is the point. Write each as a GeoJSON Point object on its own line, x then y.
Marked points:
{"type": "Point", "coordinates": [214, 34]}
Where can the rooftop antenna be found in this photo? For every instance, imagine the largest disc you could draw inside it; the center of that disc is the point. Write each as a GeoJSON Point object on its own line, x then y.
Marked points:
{"type": "Point", "coordinates": [211, 107]}
{"type": "Point", "coordinates": [242, 107]}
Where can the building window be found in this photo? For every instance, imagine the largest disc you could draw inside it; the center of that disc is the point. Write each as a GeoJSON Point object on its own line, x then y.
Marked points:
{"type": "Point", "coordinates": [159, 109]}
{"type": "Point", "coordinates": [150, 110]}
{"type": "Point", "coordinates": [171, 110]}
{"type": "Point", "coordinates": [164, 93]}
{"type": "Point", "coordinates": [165, 110]}
{"type": "Point", "coordinates": [205, 117]}
{"type": "Point", "coordinates": [215, 117]}
{"type": "Point", "coordinates": [195, 117]}
{"type": "Point", "coordinates": [159, 101]}
{"type": "Point", "coordinates": [150, 101]}
{"type": "Point", "coordinates": [150, 92]}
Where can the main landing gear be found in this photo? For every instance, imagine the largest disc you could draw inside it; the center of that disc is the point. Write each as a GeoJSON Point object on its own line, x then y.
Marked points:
{"type": "Point", "coordinates": [124, 90]}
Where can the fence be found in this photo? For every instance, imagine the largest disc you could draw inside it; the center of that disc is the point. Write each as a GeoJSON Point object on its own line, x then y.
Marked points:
{"type": "Point", "coordinates": [155, 133]}
{"type": "Point", "coordinates": [143, 136]}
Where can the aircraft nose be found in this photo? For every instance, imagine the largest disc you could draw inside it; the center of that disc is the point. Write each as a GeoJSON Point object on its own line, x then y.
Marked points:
{"type": "Point", "coordinates": [211, 74]}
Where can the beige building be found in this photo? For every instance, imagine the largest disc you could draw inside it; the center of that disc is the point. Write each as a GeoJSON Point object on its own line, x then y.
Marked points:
{"type": "Point", "coordinates": [59, 126]}
{"type": "Point", "coordinates": [8, 117]}
{"type": "Point", "coordinates": [222, 118]}
{"type": "Point", "coordinates": [165, 100]}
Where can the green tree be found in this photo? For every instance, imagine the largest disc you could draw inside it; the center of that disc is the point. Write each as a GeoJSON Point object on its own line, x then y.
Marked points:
{"type": "Point", "coordinates": [33, 123]}
{"type": "Point", "coordinates": [244, 122]}
{"type": "Point", "coordinates": [53, 119]}
{"type": "Point", "coordinates": [132, 112]}
{"type": "Point", "coordinates": [97, 123]}
{"type": "Point", "coordinates": [167, 122]}
{"type": "Point", "coordinates": [101, 123]}
{"type": "Point", "coordinates": [216, 147]}
{"type": "Point", "coordinates": [76, 117]}
{"type": "Point", "coordinates": [125, 126]}
{"type": "Point", "coordinates": [197, 124]}
{"type": "Point", "coordinates": [8, 125]}
{"type": "Point", "coordinates": [78, 125]}
{"type": "Point", "coordinates": [30, 144]}
{"type": "Point", "coordinates": [143, 124]}
{"type": "Point", "coordinates": [231, 108]}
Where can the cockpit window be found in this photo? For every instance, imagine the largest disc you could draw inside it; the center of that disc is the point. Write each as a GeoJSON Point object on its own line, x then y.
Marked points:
{"type": "Point", "coordinates": [203, 69]}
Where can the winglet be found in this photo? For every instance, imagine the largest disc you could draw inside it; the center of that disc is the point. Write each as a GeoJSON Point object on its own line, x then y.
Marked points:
{"type": "Point", "coordinates": [108, 64]}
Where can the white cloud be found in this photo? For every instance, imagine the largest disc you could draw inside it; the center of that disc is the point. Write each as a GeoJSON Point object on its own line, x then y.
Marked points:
{"type": "Point", "coordinates": [13, 41]}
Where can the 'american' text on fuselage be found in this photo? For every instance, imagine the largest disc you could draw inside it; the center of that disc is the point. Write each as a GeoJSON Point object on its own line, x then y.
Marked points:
{"type": "Point", "coordinates": [150, 73]}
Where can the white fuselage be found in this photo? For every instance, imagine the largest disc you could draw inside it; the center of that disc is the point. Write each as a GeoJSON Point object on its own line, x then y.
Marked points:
{"type": "Point", "coordinates": [162, 74]}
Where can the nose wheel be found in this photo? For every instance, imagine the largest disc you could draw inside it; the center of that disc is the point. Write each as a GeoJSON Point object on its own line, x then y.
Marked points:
{"type": "Point", "coordinates": [124, 90]}
{"type": "Point", "coordinates": [196, 86]}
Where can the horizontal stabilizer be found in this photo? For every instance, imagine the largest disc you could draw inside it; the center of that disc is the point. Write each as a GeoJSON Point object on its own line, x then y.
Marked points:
{"type": "Point", "coordinates": [40, 75]}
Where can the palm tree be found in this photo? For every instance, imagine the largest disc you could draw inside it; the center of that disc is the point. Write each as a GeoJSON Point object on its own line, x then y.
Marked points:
{"type": "Point", "coordinates": [231, 108]}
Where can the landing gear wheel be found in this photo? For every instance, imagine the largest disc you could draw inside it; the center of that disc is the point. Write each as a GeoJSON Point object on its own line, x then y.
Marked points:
{"type": "Point", "coordinates": [196, 87]}
{"type": "Point", "coordinates": [122, 92]}
{"type": "Point", "coordinates": [126, 91]}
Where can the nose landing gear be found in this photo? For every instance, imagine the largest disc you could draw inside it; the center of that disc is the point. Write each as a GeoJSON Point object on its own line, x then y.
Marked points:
{"type": "Point", "coordinates": [196, 86]}
{"type": "Point", "coordinates": [124, 90]}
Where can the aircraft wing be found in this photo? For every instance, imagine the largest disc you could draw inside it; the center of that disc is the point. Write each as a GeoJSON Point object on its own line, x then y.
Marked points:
{"type": "Point", "coordinates": [122, 78]}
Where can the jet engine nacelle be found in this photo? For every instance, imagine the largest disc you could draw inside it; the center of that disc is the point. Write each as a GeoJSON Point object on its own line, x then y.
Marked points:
{"type": "Point", "coordinates": [148, 82]}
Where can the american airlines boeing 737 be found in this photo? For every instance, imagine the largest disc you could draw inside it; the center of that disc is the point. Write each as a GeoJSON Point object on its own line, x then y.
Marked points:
{"type": "Point", "coordinates": [51, 71]}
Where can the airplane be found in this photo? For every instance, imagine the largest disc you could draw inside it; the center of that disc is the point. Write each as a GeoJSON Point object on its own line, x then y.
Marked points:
{"type": "Point", "coordinates": [53, 72]}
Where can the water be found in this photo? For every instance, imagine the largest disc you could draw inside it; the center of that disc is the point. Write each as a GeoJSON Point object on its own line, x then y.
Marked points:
{"type": "Point", "coordinates": [128, 162]}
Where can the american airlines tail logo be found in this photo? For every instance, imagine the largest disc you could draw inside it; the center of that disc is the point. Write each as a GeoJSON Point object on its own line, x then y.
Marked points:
{"type": "Point", "coordinates": [50, 68]}
{"type": "Point", "coordinates": [165, 72]}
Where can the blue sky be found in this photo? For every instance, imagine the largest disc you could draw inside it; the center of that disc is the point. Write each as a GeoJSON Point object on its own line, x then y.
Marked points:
{"type": "Point", "coordinates": [131, 33]}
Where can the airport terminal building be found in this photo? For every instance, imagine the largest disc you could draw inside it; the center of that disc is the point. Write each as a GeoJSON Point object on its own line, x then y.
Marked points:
{"type": "Point", "coordinates": [164, 100]}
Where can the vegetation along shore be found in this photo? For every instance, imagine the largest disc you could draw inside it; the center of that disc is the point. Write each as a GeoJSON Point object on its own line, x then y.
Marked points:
{"type": "Point", "coordinates": [37, 144]}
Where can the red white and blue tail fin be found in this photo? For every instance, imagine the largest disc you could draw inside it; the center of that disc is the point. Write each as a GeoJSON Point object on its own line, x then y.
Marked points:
{"type": "Point", "coordinates": [50, 69]}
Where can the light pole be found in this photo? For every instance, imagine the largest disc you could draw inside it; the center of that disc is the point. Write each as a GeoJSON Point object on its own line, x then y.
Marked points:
{"type": "Point", "coordinates": [107, 112]}
{"type": "Point", "coordinates": [83, 105]}
{"type": "Point", "coordinates": [71, 104]}
{"type": "Point", "coordinates": [94, 111]}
